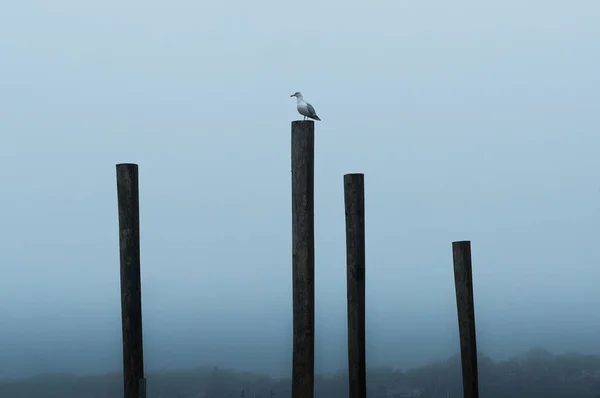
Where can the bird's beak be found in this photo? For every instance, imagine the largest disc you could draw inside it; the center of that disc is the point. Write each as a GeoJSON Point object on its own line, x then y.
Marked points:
{"type": "Point", "coordinates": [293, 95]}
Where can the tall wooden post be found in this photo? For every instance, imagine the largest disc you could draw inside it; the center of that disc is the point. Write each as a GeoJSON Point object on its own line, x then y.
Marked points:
{"type": "Point", "coordinates": [131, 292]}
{"type": "Point", "coordinates": [463, 281]}
{"type": "Point", "coordinates": [303, 258]}
{"type": "Point", "coordinates": [354, 200]}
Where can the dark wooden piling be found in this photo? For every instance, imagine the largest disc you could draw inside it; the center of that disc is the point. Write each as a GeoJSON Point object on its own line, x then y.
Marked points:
{"type": "Point", "coordinates": [463, 281]}
{"type": "Point", "coordinates": [354, 200]}
{"type": "Point", "coordinates": [131, 292]}
{"type": "Point", "coordinates": [142, 393]}
{"type": "Point", "coordinates": [303, 258]}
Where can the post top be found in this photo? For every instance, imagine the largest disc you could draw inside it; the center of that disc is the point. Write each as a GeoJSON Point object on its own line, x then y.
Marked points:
{"type": "Point", "coordinates": [127, 164]}
{"type": "Point", "coordinates": [303, 121]}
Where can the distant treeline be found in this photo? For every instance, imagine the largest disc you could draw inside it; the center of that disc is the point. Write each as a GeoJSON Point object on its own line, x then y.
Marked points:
{"type": "Point", "coordinates": [535, 374]}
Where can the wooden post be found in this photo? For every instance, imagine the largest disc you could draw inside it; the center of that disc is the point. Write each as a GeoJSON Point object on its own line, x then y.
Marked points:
{"type": "Point", "coordinates": [354, 200]}
{"type": "Point", "coordinates": [463, 281]}
{"type": "Point", "coordinates": [303, 258]}
{"type": "Point", "coordinates": [142, 388]}
{"type": "Point", "coordinates": [131, 294]}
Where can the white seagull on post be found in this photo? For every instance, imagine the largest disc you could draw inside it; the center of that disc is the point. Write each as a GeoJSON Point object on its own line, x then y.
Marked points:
{"type": "Point", "coordinates": [304, 108]}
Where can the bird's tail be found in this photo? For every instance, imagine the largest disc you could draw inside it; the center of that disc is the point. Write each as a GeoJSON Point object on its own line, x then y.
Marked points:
{"type": "Point", "coordinates": [317, 118]}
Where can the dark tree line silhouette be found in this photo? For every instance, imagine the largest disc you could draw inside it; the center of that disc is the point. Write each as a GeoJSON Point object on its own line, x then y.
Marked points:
{"type": "Point", "coordinates": [535, 374]}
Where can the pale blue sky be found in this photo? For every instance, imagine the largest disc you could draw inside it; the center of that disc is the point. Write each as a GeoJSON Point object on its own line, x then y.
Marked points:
{"type": "Point", "coordinates": [471, 120]}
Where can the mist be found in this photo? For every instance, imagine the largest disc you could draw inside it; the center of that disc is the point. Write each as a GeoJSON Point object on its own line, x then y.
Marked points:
{"type": "Point", "coordinates": [469, 121]}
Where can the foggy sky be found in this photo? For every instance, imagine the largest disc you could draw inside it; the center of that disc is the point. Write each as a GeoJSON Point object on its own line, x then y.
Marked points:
{"type": "Point", "coordinates": [470, 120]}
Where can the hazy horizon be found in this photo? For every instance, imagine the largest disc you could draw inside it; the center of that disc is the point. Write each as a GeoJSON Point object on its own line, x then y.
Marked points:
{"type": "Point", "coordinates": [470, 121]}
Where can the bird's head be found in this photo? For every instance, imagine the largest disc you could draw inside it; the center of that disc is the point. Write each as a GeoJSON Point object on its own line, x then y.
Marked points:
{"type": "Point", "coordinates": [297, 94]}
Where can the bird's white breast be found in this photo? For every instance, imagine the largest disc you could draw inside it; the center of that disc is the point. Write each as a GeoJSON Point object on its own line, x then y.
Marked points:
{"type": "Point", "coordinates": [303, 108]}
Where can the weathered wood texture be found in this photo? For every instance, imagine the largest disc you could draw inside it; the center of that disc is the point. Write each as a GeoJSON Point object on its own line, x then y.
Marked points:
{"type": "Point", "coordinates": [131, 292]}
{"type": "Point", "coordinates": [463, 281]}
{"type": "Point", "coordinates": [303, 258]}
{"type": "Point", "coordinates": [354, 200]}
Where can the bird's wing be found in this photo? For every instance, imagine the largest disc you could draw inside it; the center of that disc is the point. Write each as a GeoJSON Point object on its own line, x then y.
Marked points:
{"type": "Point", "coordinates": [311, 110]}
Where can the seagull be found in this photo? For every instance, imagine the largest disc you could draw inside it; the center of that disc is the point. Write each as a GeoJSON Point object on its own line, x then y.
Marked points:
{"type": "Point", "coordinates": [304, 108]}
